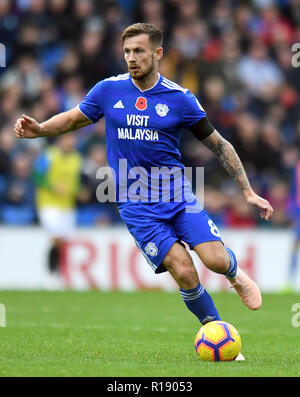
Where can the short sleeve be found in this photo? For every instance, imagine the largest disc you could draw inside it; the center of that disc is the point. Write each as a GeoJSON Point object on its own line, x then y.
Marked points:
{"type": "Point", "coordinates": [91, 105]}
{"type": "Point", "coordinates": [192, 111]}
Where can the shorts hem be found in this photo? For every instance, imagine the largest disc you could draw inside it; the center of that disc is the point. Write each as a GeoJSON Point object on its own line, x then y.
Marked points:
{"type": "Point", "coordinates": [205, 241]}
{"type": "Point", "coordinates": [160, 268]}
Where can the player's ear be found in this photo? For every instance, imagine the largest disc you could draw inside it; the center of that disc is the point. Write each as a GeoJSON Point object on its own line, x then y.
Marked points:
{"type": "Point", "coordinates": [159, 53]}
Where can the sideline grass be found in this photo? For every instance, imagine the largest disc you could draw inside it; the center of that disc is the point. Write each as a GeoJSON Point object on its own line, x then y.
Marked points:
{"type": "Point", "coordinates": [150, 333]}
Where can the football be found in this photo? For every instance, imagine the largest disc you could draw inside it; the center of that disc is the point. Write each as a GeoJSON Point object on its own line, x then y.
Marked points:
{"type": "Point", "coordinates": [217, 341]}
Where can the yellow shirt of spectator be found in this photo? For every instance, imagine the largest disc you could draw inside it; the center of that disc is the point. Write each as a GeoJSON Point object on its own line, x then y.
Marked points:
{"type": "Point", "coordinates": [57, 175]}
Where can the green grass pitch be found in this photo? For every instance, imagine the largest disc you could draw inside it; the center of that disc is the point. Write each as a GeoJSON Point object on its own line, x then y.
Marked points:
{"type": "Point", "coordinates": [148, 333]}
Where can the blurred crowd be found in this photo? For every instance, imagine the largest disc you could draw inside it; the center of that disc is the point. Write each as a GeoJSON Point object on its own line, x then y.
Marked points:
{"type": "Point", "coordinates": [234, 55]}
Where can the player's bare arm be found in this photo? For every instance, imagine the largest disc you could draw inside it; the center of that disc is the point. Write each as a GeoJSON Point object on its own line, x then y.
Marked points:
{"type": "Point", "coordinates": [227, 156]}
{"type": "Point", "coordinates": [27, 127]}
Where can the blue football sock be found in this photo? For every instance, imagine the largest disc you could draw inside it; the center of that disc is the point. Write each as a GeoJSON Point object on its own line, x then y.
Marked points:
{"type": "Point", "coordinates": [199, 302]}
{"type": "Point", "coordinates": [231, 272]}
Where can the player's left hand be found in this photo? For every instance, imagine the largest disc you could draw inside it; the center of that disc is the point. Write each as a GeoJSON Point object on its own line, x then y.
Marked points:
{"type": "Point", "coordinates": [266, 210]}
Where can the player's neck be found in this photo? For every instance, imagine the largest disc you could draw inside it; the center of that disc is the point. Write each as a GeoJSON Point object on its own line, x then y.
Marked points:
{"type": "Point", "coordinates": [148, 82]}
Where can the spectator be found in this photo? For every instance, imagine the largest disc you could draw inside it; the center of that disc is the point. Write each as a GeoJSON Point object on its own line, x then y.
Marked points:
{"type": "Point", "coordinates": [90, 210]}
{"type": "Point", "coordinates": [57, 177]}
{"type": "Point", "coordinates": [236, 57]}
{"type": "Point", "coordinates": [246, 140]}
{"type": "Point", "coordinates": [18, 202]}
{"type": "Point", "coordinates": [7, 148]}
{"type": "Point", "coordinates": [239, 214]}
{"type": "Point", "coordinates": [258, 72]}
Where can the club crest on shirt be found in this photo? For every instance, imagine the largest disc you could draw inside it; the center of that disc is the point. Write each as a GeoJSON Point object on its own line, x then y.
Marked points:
{"type": "Point", "coordinates": [161, 109]}
{"type": "Point", "coordinates": [141, 103]}
{"type": "Point", "coordinates": [151, 249]}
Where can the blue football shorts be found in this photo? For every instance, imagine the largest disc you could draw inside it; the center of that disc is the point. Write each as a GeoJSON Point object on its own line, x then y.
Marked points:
{"type": "Point", "coordinates": [155, 227]}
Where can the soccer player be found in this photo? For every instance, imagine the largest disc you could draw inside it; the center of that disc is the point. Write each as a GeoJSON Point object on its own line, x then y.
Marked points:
{"type": "Point", "coordinates": [144, 114]}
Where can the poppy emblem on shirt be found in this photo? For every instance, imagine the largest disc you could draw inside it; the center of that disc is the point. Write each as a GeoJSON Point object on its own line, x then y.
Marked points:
{"type": "Point", "coordinates": [141, 103]}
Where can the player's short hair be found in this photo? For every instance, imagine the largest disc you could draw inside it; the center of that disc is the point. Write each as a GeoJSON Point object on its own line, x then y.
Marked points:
{"type": "Point", "coordinates": [154, 33]}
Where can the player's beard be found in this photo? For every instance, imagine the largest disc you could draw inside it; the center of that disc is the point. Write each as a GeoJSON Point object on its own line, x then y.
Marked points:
{"type": "Point", "coordinates": [144, 75]}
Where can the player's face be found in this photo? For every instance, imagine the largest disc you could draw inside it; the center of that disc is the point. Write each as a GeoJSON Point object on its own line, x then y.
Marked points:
{"type": "Point", "coordinates": [140, 56]}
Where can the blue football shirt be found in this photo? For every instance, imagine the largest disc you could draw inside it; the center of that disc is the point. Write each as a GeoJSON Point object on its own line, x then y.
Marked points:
{"type": "Point", "coordinates": [143, 129]}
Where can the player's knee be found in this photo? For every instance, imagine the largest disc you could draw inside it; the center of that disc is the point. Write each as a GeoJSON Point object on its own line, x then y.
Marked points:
{"type": "Point", "coordinates": [186, 274]}
{"type": "Point", "coordinates": [176, 257]}
{"type": "Point", "coordinates": [182, 269]}
{"type": "Point", "coordinates": [218, 262]}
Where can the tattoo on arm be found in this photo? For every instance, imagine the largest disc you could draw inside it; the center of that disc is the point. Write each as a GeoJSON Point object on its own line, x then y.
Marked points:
{"type": "Point", "coordinates": [227, 156]}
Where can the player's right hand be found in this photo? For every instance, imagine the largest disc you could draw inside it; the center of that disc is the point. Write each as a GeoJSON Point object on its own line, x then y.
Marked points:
{"type": "Point", "coordinates": [266, 210]}
{"type": "Point", "coordinates": [27, 127]}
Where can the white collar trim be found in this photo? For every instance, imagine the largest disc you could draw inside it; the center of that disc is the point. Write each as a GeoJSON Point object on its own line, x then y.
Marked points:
{"type": "Point", "coordinates": [148, 89]}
